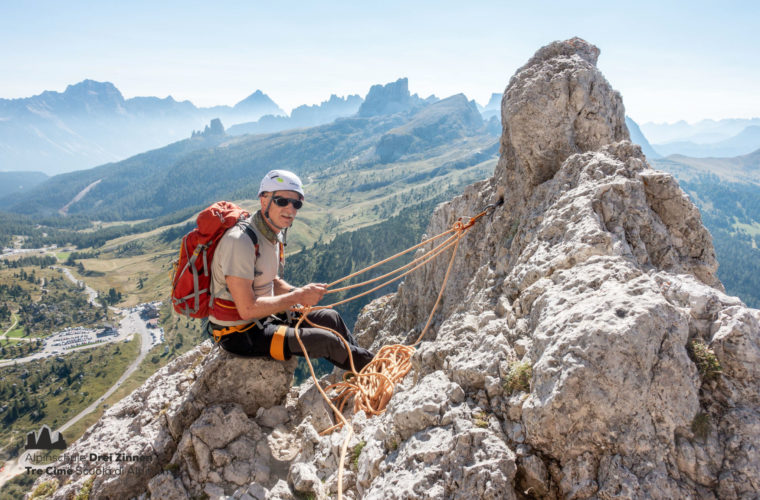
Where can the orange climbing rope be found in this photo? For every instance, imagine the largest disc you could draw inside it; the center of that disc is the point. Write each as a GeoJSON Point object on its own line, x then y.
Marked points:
{"type": "Point", "coordinates": [373, 386]}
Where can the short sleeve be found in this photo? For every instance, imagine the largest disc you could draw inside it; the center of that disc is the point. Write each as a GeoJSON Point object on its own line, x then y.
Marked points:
{"type": "Point", "coordinates": [238, 255]}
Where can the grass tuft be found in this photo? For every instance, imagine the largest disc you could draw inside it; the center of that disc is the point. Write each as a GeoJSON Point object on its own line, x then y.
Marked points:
{"type": "Point", "coordinates": [44, 490]}
{"type": "Point", "coordinates": [480, 419]}
{"type": "Point", "coordinates": [356, 452]}
{"type": "Point", "coordinates": [518, 378]}
{"type": "Point", "coordinates": [84, 493]}
{"type": "Point", "coordinates": [705, 359]}
{"type": "Point", "coordinates": [393, 444]}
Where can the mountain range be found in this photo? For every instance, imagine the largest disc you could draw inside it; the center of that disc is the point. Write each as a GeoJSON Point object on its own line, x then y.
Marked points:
{"type": "Point", "coordinates": [707, 138]}
{"type": "Point", "coordinates": [746, 141]}
{"type": "Point", "coordinates": [302, 116]}
{"type": "Point", "coordinates": [704, 131]}
{"type": "Point", "coordinates": [390, 125]}
{"type": "Point", "coordinates": [91, 123]}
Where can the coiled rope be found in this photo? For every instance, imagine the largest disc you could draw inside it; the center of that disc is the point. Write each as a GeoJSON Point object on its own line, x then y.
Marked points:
{"type": "Point", "coordinates": [372, 387]}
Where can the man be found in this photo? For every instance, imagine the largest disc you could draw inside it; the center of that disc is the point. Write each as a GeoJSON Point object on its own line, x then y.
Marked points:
{"type": "Point", "coordinates": [248, 291]}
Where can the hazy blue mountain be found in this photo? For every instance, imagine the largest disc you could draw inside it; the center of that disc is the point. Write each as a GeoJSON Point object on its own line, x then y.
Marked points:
{"type": "Point", "coordinates": [251, 108]}
{"type": "Point", "coordinates": [257, 103]}
{"type": "Point", "coordinates": [743, 143]}
{"type": "Point", "coordinates": [702, 132]}
{"type": "Point", "coordinates": [302, 116]}
{"type": "Point", "coordinates": [493, 108]}
{"type": "Point", "coordinates": [389, 99]}
{"type": "Point", "coordinates": [211, 166]}
{"type": "Point", "coordinates": [147, 107]}
{"type": "Point", "coordinates": [638, 138]}
{"type": "Point", "coordinates": [91, 123]}
{"type": "Point", "coordinates": [385, 99]}
{"type": "Point", "coordinates": [16, 183]}
{"type": "Point", "coordinates": [738, 169]}
{"type": "Point", "coordinates": [213, 129]}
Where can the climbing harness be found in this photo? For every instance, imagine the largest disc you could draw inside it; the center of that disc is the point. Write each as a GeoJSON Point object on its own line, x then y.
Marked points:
{"type": "Point", "coordinates": [372, 387]}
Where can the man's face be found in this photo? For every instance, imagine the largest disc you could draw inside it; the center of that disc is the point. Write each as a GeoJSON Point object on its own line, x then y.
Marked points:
{"type": "Point", "coordinates": [280, 216]}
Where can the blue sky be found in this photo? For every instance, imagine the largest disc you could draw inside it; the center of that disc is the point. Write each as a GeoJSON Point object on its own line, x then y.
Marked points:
{"type": "Point", "coordinates": [670, 60]}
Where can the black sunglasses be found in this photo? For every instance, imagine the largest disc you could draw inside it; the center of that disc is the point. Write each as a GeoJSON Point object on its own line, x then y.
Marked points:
{"type": "Point", "coordinates": [283, 202]}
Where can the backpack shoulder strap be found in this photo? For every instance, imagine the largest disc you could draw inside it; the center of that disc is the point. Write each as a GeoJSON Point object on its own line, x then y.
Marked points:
{"type": "Point", "coordinates": [251, 233]}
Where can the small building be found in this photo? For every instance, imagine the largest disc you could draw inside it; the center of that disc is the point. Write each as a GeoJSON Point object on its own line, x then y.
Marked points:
{"type": "Point", "coordinates": [107, 331]}
{"type": "Point", "coordinates": [149, 311]}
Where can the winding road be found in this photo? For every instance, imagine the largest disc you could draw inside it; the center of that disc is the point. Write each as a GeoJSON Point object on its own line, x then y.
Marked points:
{"type": "Point", "coordinates": [15, 322]}
{"type": "Point", "coordinates": [130, 324]}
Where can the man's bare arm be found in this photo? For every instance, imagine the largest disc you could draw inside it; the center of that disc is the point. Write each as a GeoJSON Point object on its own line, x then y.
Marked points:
{"type": "Point", "coordinates": [281, 286]}
{"type": "Point", "coordinates": [249, 306]}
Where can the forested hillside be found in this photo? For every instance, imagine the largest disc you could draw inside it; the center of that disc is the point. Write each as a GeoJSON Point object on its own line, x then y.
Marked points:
{"type": "Point", "coordinates": [731, 211]}
{"type": "Point", "coordinates": [727, 193]}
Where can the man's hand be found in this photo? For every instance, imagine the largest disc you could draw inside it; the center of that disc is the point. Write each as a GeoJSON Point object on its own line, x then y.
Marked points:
{"type": "Point", "coordinates": [311, 294]}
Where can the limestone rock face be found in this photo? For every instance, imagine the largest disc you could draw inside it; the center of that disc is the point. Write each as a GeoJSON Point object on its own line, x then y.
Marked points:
{"type": "Point", "coordinates": [597, 274]}
{"type": "Point", "coordinates": [569, 358]}
{"type": "Point", "coordinates": [196, 415]}
{"type": "Point", "coordinates": [556, 105]}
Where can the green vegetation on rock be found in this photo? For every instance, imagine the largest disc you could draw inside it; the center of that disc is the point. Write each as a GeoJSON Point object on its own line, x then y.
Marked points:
{"type": "Point", "coordinates": [705, 359]}
{"type": "Point", "coordinates": [518, 378]}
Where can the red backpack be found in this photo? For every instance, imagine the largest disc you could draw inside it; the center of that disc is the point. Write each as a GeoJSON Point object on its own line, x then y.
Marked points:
{"type": "Point", "coordinates": [192, 272]}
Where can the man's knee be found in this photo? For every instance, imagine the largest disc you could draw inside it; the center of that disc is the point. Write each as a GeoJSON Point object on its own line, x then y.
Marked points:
{"type": "Point", "coordinates": [319, 343]}
{"type": "Point", "coordinates": [329, 318]}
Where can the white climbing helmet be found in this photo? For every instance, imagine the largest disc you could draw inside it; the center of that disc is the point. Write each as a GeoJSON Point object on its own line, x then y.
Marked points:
{"type": "Point", "coordinates": [281, 180]}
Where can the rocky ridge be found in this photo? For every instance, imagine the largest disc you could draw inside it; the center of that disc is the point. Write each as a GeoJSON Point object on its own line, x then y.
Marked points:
{"type": "Point", "coordinates": [590, 285]}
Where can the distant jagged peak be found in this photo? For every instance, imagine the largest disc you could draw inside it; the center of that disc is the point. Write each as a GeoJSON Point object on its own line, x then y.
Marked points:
{"type": "Point", "coordinates": [260, 102]}
{"type": "Point", "coordinates": [457, 104]}
{"type": "Point", "coordinates": [213, 129]}
{"type": "Point", "coordinates": [387, 99]}
{"type": "Point", "coordinates": [494, 102]}
{"type": "Point", "coordinates": [86, 96]}
{"type": "Point", "coordinates": [92, 86]}
{"type": "Point", "coordinates": [168, 99]}
{"type": "Point", "coordinates": [583, 114]}
{"type": "Point", "coordinates": [349, 98]}
{"type": "Point", "coordinates": [331, 102]}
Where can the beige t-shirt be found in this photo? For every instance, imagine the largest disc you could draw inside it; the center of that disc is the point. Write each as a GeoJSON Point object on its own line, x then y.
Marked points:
{"type": "Point", "coordinates": [236, 256]}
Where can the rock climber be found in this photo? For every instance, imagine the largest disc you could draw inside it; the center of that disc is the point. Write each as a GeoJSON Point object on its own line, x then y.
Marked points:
{"type": "Point", "coordinates": [251, 313]}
